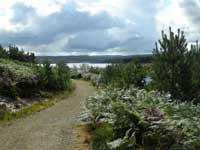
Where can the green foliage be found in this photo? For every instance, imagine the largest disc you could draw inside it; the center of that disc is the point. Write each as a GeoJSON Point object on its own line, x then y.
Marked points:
{"type": "Point", "coordinates": [195, 50]}
{"type": "Point", "coordinates": [46, 75]}
{"type": "Point", "coordinates": [134, 74]}
{"type": "Point", "coordinates": [172, 66]}
{"type": "Point", "coordinates": [3, 111]}
{"type": "Point", "coordinates": [137, 119]}
{"type": "Point", "coordinates": [3, 52]}
{"type": "Point", "coordinates": [18, 68]}
{"type": "Point", "coordinates": [22, 79]}
{"type": "Point", "coordinates": [63, 72]}
{"type": "Point", "coordinates": [75, 73]}
{"type": "Point", "coordinates": [14, 53]}
{"type": "Point", "coordinates": [88, 73]}
{"type": "Point", "coordinates": [95, 70]}
{"type": "Point", "coordinates": [124, 75]}
{"type": "Point", "coordinates": [54, 78]}
{"type": "Point", "coordinates": [13, 75]}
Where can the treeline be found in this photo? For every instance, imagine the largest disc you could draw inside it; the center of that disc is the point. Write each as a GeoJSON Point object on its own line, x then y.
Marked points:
{"type": "Point", "coordinates": [147, 58]}
{"type": "Point", "coordinates": [143, 59]}
{"type": "Point", "coordinates": [13, 52]}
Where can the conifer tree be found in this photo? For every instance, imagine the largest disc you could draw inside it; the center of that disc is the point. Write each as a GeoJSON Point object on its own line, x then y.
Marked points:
{"type": "Point", "coordinates": [195, 50]}
{"type": "Point", "coordinates": [172, 66]}
{"type": "Point", "coordinates": [63, 75]}
{"type": "Point", "coordinates": [3, 52]}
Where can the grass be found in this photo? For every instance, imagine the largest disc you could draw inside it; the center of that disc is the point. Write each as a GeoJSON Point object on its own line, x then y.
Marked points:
{"type": "Point", "coordinates": [17, 67]}
{"type": "Point", "coordinates": [36, 107]}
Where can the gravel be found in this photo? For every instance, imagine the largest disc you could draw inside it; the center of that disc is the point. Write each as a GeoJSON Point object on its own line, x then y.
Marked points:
{"type": "Point", "coordinates": [51, 129]}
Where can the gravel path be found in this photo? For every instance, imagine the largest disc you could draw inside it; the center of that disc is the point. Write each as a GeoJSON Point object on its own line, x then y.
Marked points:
{"type": "Point", "coordinates": [51, 129]}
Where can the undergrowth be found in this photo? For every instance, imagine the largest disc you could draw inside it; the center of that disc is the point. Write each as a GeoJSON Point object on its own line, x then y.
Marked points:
{"type": "Point", "coordinates": [132, 119]}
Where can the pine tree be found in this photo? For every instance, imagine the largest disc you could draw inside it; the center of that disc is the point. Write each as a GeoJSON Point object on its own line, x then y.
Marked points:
{"type": "Point", "coordinates": [3, 52]}
{"type": "Point", "coordinates": [134, 74]}
{"type": "Point", "coordinates": [63, 72]}
{"type": "Point", "coordinates": [172, 66]}
{"type": "Point", "coordinates": [195, 50]}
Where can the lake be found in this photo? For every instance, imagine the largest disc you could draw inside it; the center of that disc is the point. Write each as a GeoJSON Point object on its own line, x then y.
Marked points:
{"type": "Point", "coordinates": [97, 65]}
{"type": "Point", "coordinates": [78, 65]}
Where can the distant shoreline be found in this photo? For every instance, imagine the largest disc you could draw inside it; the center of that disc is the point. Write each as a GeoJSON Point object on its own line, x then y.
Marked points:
{"type": "Point", "coordinates": [147, 58]}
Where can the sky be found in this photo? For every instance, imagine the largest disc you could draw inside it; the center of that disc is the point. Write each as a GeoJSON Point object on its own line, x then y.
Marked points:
{"type": "Point", "coordinates": [94, 27]}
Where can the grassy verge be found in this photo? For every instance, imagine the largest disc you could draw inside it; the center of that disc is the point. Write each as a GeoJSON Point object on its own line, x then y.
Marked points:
{"type": "Point", "coordinates": [36, 107]}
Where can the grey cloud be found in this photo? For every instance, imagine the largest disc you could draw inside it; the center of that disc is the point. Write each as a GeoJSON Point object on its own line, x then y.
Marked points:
{"type": "Point", "coordinates": [138, 45]}
{"type": "Point", "coordinates": [22, 13]}
{"type": "Point", "coordinates": [45, 29]}
{"type": "Point", "coordinates": [101, 42]}
{"type": "Point", "coordinates": [92, 41]}
{"type": "Point", "coordinates": [192, 10]}
{"type": "Point", "coordinates": [84, 32]}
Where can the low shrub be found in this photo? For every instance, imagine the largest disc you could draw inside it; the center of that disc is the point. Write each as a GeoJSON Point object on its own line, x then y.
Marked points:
{"type": "Point", "coordinates": [3, 111]}
{"type": "Point", "coordinates": [136, 119]}
{"type": "Point", "coordinates": [54, 78]}
{"type": "Point", "coordinates": [21, 79]}
{"type": "Point", "coordinates": [27, 86]}
{"type": "Point", "coordinates": [7, 87]}
{"type": "Point", "coordinates": [124, 75]}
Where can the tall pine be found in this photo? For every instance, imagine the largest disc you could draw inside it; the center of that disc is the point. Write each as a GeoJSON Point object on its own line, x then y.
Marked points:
{"type": "Point", "coordinates": [172, 66]}
{"type": "Point", "coordinates": [195, 50]}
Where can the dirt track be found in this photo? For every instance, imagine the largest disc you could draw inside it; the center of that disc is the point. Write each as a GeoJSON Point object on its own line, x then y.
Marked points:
{"type": "Point", "coordinates": [51, 129]}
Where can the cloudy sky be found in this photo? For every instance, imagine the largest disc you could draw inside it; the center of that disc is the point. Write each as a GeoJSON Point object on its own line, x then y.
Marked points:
{"type": "Point", "coordinates": [94, 27]}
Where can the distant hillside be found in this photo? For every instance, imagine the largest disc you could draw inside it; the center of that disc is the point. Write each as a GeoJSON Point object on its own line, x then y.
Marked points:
{"type": "Point", "coordinates": [95, 59]}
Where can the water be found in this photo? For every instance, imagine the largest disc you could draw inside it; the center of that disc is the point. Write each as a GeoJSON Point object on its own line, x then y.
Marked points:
{"type": "Point", "coordinates": [148, 79]}
{"type": "Point", "coordinates": [96, 65]}
{"type": "Point", "coordinates": [78, 65]}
